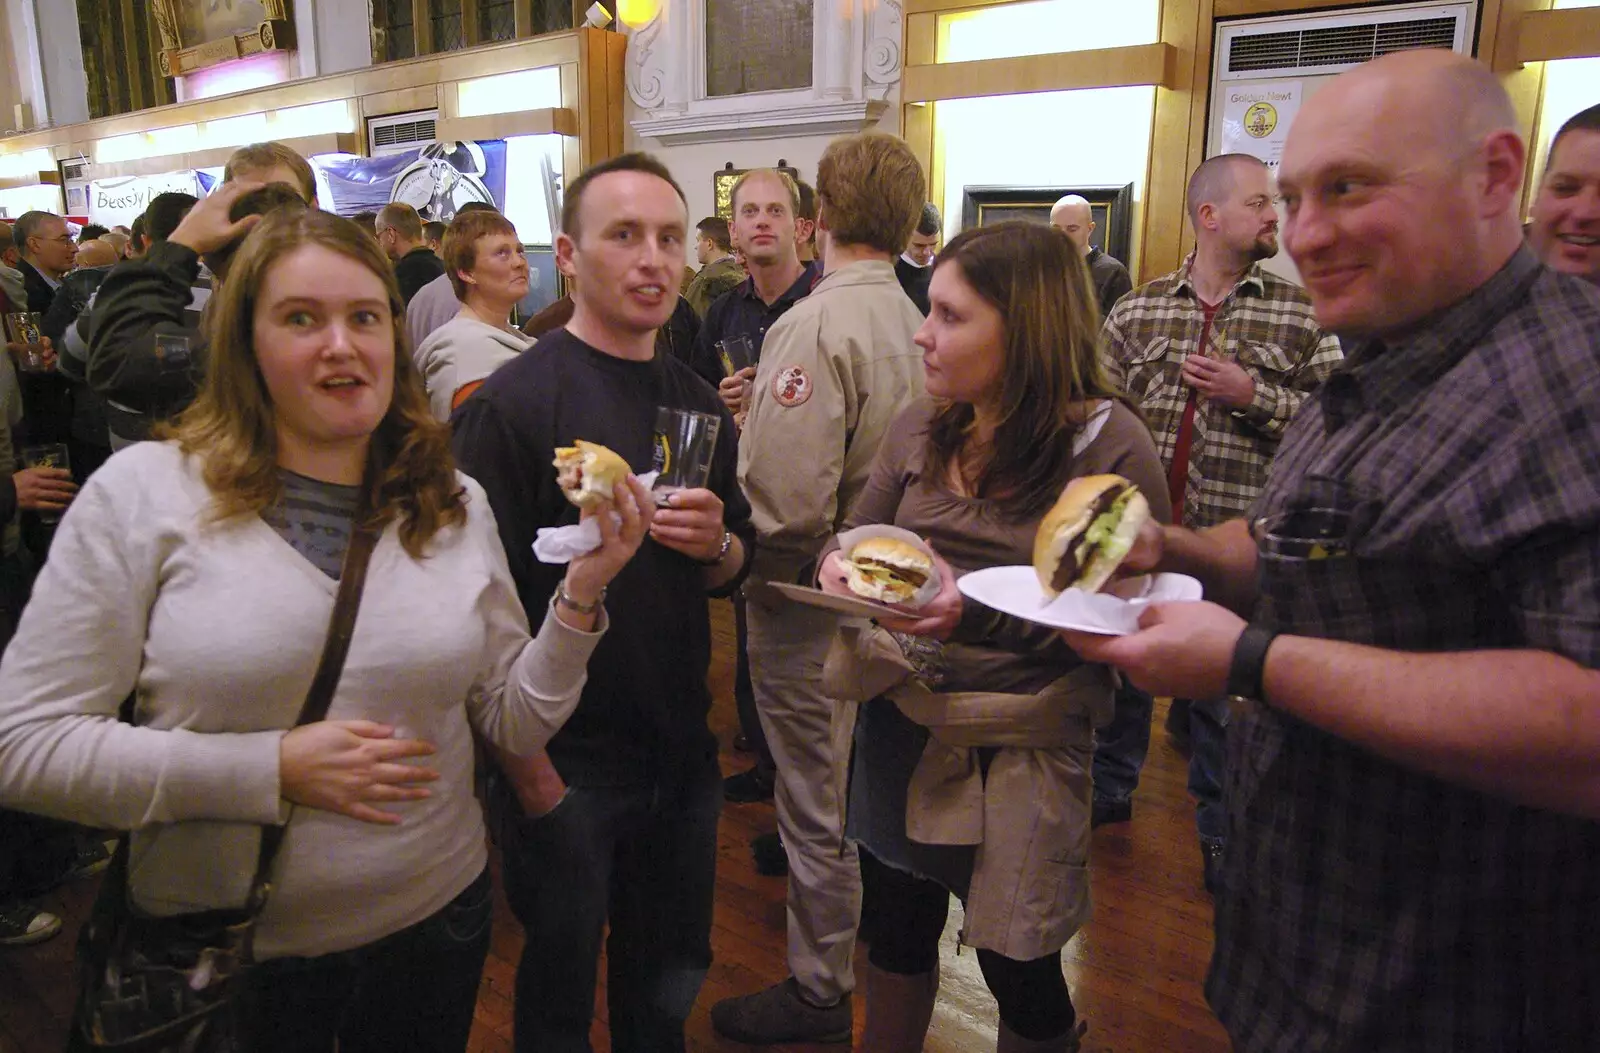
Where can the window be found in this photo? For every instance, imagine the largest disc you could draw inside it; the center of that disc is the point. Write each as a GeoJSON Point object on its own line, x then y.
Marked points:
{"type": "Point", "coordinates": [551, 16]}
{"type": "Point", "coordinates": [448, 32]}
{"type": "Point", "coordinates": [120, 45]}
{"type": "Point", "coordinates": [757, 45]}
{"type": "Point", "coordinates": [399, 42]}
{"type": "Point", "coordinates": [1047, 26]}
{"type": "Point", "coordinates": [497, 20]}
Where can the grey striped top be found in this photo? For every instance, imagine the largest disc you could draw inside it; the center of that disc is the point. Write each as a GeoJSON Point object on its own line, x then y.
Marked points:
{"type": "Point", "coordinates": [315, 518]}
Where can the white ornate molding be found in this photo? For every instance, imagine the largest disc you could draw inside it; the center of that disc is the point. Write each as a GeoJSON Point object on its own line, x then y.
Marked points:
{"type": "Point", "coordinates": [855, 64]}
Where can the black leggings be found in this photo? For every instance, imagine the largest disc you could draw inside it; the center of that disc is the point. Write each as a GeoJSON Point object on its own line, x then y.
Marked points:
{"type": "Point", "coordinates": [902, 918]}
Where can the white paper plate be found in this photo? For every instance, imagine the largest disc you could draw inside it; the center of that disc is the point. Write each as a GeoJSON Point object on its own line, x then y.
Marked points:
{"type": "Point", "coordinates": [1016, 591]}
{"type": "Point", "coordinates": [853, 606]}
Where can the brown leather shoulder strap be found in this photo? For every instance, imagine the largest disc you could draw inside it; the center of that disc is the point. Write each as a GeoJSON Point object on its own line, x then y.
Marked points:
{"type": "Point", "coordinates": [341, 629]}
{"type": "Point", "coordinates": [342, 626]}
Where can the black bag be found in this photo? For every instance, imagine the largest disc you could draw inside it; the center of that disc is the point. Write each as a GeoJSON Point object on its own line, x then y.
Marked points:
{"type": "Point", "coordinates": [152, 984]}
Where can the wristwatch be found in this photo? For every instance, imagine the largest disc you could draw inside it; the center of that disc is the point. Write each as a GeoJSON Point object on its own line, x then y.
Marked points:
{"type": "Point", "coordinates": [722, 553]}
{"type": "Point", "coordinates": [1250, 663]}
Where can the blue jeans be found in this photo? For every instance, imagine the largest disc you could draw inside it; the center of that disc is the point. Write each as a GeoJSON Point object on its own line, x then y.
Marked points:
{"type": "Point", "coordinates": [414, 990]}
{"type": "Point", "coordinates": [1208, 733]}
{"type": "Point", "coordinates": [642, 857]}
{"type": "Point", "coordinates": [1121, 747]}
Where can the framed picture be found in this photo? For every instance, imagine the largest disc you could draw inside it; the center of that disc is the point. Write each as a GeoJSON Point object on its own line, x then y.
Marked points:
{"type": "Point", "coordinates": [200, 33]}
{"type": "Point", "coordinates": [722, 184]}
{"type": "Point", "coordinates": [1110, 206]}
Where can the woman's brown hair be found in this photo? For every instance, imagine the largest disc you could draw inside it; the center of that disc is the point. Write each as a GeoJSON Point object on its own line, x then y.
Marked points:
{"type": "Point", "coordinates": [410, 474]}
{"type": "Point", "coordinates": [1050, 367]}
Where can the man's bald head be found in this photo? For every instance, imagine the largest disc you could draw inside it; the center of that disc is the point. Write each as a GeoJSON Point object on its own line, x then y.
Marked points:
{"type": "Point", "coordinates": [1074, 218]}
{"type": "Point", "coordinates": [1402, 182]}
{"type": "Point", "coordinates": [1214, 181]}
{"type": "Point", "coordinates": [97, 253]}
{"type": "Point", "coordinates": [1448, 101]}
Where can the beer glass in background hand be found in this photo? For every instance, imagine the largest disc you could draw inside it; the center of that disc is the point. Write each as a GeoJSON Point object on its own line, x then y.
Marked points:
{"type": "Point", "coordinates": [47, 455]}
{"type": "Point", "coordinates": [27, 341]}
{"type": "Point", "coordinates": [738, 357]}
{"type": "Point", "coordinates": [685, 443]}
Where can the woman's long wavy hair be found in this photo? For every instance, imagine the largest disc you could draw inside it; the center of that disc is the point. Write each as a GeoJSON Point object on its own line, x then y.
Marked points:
{"type": "Point", "coordinates": [410, 474]}
{"type": "Point", "coordinates": [1050, 363]}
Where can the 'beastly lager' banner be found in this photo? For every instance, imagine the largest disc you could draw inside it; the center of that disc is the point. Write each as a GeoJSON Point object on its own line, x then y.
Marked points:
{"type": "Point", "coordinates": [114, 201]}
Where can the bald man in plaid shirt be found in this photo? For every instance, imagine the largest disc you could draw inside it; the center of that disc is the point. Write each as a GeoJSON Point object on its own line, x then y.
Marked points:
{"type": "Point", "coordinates": [1412, 608]}
{"type": "Point", "coordinates": [1220, 355]}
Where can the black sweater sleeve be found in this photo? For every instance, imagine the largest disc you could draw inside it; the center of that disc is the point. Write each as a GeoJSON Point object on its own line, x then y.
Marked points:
{"type": "Point", "coordinates": [705, 360]}
{"type": "Point", "coordinates": [8, 485]}
{"type": "Point", "coordinates": [489, 448]}
{"type": "Point", "coordinates": [138, 301]}
{"type": "Point", "coordinates": [724, 483]}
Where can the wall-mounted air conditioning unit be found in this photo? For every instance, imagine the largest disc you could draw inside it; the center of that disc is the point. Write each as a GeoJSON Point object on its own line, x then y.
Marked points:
{"type": "Point", "coordinates": [1326, 44]}
{"type": "Point", "coordinates": [401, 133]}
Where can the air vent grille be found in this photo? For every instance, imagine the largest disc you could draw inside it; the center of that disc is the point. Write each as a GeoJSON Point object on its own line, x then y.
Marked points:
{"type": "Point", "coordinates": [421, 131]}
{"type": "Point", "coordinates": [1345, 45]}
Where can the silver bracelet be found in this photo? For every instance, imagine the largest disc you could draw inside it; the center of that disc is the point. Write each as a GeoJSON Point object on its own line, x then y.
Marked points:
{"type": "Point", "coordinates": [722, 553]}
{"type": "Point", "coordinates": [565, 599]}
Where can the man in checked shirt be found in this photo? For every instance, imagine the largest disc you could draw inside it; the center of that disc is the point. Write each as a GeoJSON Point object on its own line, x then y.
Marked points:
{"type": "Point", "coordinates": [1220, 354]}
{"type": "Point", "coordinates": [1413, 795]}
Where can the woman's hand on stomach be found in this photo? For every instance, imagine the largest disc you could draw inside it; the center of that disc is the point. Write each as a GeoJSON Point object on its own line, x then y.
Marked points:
{"type": "Point", "coordinates": [349, 766]}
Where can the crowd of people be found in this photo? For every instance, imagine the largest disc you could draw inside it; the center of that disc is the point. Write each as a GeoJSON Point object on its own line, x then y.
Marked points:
{"type": "Point", "coordinates": [1387, 480]}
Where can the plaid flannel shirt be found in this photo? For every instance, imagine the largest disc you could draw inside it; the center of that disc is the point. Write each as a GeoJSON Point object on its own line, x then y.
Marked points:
{"type": "Point", "coordinates": [1367, 906]}
{"type": "Point", "coordinates": [1265, 326]}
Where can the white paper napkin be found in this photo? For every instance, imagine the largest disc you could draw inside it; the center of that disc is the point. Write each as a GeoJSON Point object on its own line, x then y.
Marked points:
{"type": "Point", "coordinates": [565, 544]}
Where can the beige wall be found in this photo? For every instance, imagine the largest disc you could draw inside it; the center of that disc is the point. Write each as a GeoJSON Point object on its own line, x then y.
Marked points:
{"type": "Point", "coordinates": [694, 164]}
{"type": "Point", "coordinates": [10, 89]}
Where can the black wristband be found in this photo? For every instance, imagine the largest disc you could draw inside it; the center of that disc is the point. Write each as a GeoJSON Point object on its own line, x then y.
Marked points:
{"type": "Point", "coordinates": [1250, 663]}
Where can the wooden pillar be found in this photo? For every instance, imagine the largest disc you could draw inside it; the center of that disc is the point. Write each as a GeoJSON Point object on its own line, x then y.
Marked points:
{"type": "Point", "coordinates": [1177, 138]}
{"type": "Point", "coordinates": [1497, 46]}
{"type": "Point", "coordinates": [600, 95]}
{"type": "Point", "coordinates": [918, 120]}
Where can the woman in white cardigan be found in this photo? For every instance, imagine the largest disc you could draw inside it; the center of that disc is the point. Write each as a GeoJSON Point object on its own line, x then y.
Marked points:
{"type": "Point", "coordinates": [200, 573]}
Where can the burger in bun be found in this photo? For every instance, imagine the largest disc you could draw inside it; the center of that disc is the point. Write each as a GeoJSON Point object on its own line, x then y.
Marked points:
{"type": "Point", "coordinates": [588, 473]}
{"type": "Point", "coordinates": [1088, 533]}
{"type": "Point", "coordinates": [886, 570]}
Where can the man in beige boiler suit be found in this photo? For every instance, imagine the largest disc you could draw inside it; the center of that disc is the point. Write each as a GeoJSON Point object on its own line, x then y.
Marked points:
{"type": "Point", "coordinates": [835, 371]}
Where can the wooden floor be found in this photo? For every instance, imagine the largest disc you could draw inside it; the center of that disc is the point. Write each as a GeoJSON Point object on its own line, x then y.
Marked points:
{"type": "Point", "coordinates": [1135, 970]}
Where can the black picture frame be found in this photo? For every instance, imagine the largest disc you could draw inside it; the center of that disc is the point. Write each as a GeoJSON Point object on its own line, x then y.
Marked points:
{"type": "Point", "coordinates": [1110, 206]}
{"type": "Point", "coordinates": [723, 179]}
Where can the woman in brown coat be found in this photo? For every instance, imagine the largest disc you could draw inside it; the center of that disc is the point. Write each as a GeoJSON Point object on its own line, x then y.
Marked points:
{"type": "Point", "coordinates": [1019, 406]}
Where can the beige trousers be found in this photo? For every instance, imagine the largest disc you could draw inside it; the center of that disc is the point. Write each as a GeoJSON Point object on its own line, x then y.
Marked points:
{"type": "Point", "coordinates": [788, 644]}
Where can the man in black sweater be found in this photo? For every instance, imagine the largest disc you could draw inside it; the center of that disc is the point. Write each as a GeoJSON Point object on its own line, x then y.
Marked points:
{"type": "Point", "coordinates": [914, 267]}
{"type": "Point", "coordinates": [400, 233]}
{"type": "Point", "coordinates": [1073, 217]}
{"type": "Point", "coordinates": [617, 821]}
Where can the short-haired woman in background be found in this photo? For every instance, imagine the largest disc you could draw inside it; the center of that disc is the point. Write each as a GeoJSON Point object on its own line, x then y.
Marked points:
{"type": "Point", "coordinates": [1018, 406]}
{"type": "Point", "coordinates": [199, 574]}
{"type": "Point", "coordinates": [483, 257]}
